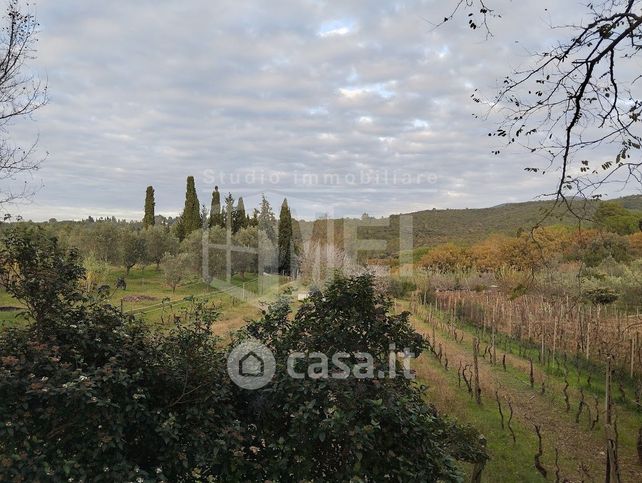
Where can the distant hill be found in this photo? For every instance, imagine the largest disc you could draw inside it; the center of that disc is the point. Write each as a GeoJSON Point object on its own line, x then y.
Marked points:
{"type": "Point", "coordinates": [434, 226]}
{"type": "Point", "coordinates": [633, 202]}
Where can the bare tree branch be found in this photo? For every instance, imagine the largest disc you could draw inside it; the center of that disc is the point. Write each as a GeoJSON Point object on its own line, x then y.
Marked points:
{"type": "Point", "coordinates": [20, 96]}
{"type": "Point", "coordinates": [576, 96]}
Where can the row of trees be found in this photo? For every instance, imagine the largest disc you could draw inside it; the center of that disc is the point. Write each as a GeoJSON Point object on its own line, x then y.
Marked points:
{"type": "Point", "coordinates": [108, 242]}
{"type": "Point", "coordinates": [117, 244]}
{"type": "Point", "coordinates": [232, 216]}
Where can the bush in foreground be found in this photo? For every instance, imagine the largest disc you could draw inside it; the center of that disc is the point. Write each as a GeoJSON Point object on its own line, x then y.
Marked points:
{"type": "Point", "coordinates": [88, 393]}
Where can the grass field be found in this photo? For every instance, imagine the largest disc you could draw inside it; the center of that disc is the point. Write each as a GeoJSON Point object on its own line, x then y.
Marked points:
{"type": "Point", "coordinates": [147, 296]}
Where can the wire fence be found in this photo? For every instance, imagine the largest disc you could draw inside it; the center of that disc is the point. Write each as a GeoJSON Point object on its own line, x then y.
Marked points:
{"type": "Point", "coordinates": [168, 303]}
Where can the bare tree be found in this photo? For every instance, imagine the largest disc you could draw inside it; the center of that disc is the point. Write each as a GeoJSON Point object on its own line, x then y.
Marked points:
{"type": "Point", "coordinates": [20, 95]}
{"type": "Point", "coordinates": [317, 262]}
{"type": "Point", "coordinates": [579, 94]}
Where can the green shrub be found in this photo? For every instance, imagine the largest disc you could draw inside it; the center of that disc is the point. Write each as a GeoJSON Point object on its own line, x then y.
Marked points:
{"type": "Point", "coordinates": [606, 246]}
{"type": "Point", "coordinates": [401, 287]}
{"type": "Point", "coordinates": [88, 393]}
{"type": "Point", "coordinates": [352, 429]}
{"type": "Point", "coordinates": [601, 296]}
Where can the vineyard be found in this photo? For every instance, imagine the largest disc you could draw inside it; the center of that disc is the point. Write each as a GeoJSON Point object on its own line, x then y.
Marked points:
{"type": "Point", "coordinates": [560, 331]}
{"type": "Point", "coordinates": [553, 384]}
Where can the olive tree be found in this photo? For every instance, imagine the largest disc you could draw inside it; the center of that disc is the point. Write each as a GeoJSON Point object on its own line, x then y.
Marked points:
{"type": "Point", "coordinates": [175, 268]}
{"type": "Point", "coordinates": [159, 240]}
{"type": "Point", "coordinates": [131, 249]}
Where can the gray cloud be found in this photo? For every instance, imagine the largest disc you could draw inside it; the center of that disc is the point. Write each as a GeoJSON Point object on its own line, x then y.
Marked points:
{"type": "Point", "coordinates": [149, 92]}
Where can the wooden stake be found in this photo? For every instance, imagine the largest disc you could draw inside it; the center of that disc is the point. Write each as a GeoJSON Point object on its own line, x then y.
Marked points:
{"type": "Point", "coordinates": [632, 355]}
{"type": "Point", "coordinates": [555, 334]}
{"type": "Point", "coordinates": [499, 406]}
{"type": "Point", "coordinates": [476, 387]}
{"type": "Point", "coordinates": [612, 470]}
{"type": "Point", "coordinates": [494, 356]}
{"type": "Point", "coordinates": [588, 339]}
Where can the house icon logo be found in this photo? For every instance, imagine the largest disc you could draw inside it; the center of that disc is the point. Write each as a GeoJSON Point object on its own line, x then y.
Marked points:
{"type": "Point", "coordinates": [251, 365]}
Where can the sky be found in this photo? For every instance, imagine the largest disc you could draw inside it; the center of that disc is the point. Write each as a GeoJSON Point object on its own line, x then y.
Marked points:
{"type": "Point", "coordinates": [344, 107]}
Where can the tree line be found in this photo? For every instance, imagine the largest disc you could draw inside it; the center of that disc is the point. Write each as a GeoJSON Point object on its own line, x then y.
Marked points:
{"type": "Point", "coordinates": [175, 244]}
{"type": "Point", "coordinates": [231, 216]}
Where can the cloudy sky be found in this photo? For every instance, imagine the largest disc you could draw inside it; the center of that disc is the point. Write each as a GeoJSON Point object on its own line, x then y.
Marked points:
{"type": "Point", "coordinates": [342, 106]}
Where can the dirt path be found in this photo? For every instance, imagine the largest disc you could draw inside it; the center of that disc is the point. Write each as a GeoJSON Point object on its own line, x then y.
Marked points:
{"type": "Point", "coordinates": [578, 446]}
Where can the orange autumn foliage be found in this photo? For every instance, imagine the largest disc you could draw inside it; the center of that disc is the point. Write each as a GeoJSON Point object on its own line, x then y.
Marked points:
{"type": "Point", "coordinates": [446, 257]}
{"type": "Point", "coordinates": [527, 251]}
{"type": "Point", "coordinates": [635, 244]}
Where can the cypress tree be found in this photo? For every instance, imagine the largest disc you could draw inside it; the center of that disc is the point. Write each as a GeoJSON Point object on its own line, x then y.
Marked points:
{"type": "Point", "coordinates": [216, 217]}
{"type": "Point", "coordinates": [191, 213]}
{"type": "Point", "coordinates": [285, 239]}
{"type": "Point", "coordinates": [265, 220]}
{"type": "Point", "coordinates": [228, 212]}
{"type": "Point", "coordinates": [148, 219]}
{"type": "Point", "coordinates": [238, 216]}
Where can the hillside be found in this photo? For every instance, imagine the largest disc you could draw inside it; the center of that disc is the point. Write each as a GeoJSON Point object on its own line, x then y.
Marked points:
{"type": "Point", "coordinates": [633, 202]}
{"type": "Point", "coordinates": [466, 225]}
